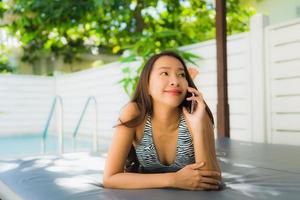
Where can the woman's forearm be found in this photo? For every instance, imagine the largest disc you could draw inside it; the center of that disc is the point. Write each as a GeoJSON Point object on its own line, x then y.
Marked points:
{"type": "Point", "coordinates": [139, 181]}
{"type": "Point", "coordinates": [204, 146]}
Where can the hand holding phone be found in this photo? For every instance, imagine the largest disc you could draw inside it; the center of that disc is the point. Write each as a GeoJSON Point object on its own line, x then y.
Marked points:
{"type": "Point", "coordinates": [192, 104]}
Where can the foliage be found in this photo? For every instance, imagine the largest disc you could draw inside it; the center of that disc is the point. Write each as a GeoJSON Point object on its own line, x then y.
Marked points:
{"type": "Point", "coordinates": [142, 50]}
{"type": "Point", "coordinates": [52, 28]}
{"type": "Point", "coordinates": [179, 25]}
{"type": "Point", "coordinates": [238, 15]}
{"type": "Point", "coordinates": [4, 62]}
{"type": "Point", "coordinates": [2, 8]}
{"type": "Point", "coordinates": [67, 27]}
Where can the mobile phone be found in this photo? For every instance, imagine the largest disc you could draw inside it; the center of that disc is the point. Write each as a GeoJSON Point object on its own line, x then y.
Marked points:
{"type": "Point", "coordinates": [192, 104]}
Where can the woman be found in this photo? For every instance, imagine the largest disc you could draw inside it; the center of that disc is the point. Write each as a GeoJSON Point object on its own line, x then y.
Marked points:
{"type": "Point", "coordinates": [159, 141]}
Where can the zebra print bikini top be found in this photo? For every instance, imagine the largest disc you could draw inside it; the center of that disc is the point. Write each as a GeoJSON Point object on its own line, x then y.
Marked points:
{"type": "Point", "coordinates": [147, 154]}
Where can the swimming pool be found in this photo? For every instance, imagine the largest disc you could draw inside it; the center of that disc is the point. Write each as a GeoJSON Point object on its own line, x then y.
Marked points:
{"type": "Point", "coordinates": [23, 145]}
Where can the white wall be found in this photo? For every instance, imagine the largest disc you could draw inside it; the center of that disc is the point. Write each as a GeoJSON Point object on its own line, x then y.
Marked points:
{"type": "Point", "coordinates": [238, 81]}
{"type": "Point", "coordinates": [102, 84]}
{"type": "Point", "coordinates": [283, 82]}
{"type": "Point", "coordinates": [24, 103]}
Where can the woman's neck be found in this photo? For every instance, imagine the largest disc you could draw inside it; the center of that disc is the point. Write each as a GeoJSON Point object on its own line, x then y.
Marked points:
{"type": "Point", "coordinates": [166, 118]}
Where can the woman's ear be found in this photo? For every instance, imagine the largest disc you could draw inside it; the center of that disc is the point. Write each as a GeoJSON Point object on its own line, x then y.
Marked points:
{"type": "Point", "coordinates": [193, 72]}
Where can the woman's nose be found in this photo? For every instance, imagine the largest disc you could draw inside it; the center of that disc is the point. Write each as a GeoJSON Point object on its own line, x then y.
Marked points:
{"type": "Point", "coordinates": [174, 81]}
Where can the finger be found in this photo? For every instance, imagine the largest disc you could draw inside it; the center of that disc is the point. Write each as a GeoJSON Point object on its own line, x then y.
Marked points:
{"type": "Point", "coordinates": [195, 97]}
{"type": "Point", "coordinates": [208, 186]}
{"type": "Point", "coordinates": [209, 173]}
{"type": "Point", "coordinates": [196, 166]}
{"type": "Point", "coordinates": [193, 90]}
{"type": "Point", "coordinates": [210, 181]}
{"type": "Point", "coordinates": [198, 188]}
{"type": "Point", "coordinates": [198, 103]}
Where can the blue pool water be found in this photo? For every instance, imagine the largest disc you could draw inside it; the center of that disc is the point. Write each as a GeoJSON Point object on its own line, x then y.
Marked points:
{"type": "Point", "coordinates": [25, 145]}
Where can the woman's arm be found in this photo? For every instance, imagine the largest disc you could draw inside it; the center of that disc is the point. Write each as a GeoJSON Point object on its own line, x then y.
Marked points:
{"type": "Point", "coordinates": [204, 145]}
{"type": "Point", "coordinates": [114, 176]}
{"type": "Point", "coordinates": [139, 181]}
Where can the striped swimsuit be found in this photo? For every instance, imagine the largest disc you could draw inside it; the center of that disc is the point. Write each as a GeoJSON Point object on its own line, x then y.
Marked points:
{"type": "Point", "coordinates": [147, 155]}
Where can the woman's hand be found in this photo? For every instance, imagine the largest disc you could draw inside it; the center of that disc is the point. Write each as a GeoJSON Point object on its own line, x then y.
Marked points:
{"type": "Point", "coordinates": [192, 178]}
{"type": "Point", "coordinates": [199, 110]}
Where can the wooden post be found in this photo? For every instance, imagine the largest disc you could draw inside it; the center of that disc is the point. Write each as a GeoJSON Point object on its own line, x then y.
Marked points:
{"type": "Point", "coordinates": [222, 105]}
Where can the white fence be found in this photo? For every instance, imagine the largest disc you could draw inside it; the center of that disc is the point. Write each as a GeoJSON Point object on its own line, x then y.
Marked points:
{"type": "Point", "coordinates": [283, 78]}
{"type": "Point", "coordinates": [102, 84]}
{"type": "Point", "coordinates": [24, 103]}
{"type": "Point", "coordinates": [238, 81]}
{"type": "Point", "coordinates": [264, 105]}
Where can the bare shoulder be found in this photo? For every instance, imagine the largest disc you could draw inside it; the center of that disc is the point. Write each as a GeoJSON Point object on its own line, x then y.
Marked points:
{"type": "Point", "coordinates": [129, 111]}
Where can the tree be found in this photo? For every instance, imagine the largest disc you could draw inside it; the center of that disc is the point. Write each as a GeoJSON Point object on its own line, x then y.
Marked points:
{"type": "Point", "coordinates": [2, 8]}
{"type": "Point", "coordinates": [4, 66]}
{"type": "Point", "coordinates": [51, 28]}
{"type": "Point", "coordinates": [68, 27]}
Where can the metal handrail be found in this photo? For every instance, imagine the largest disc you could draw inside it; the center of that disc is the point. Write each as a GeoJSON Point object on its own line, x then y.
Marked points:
{"type": "Point", "coordinates": [95, 132]}
{"type": "Point", "coordinates": [60, 132]}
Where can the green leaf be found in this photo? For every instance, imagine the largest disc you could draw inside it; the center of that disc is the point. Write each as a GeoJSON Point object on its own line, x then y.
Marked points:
{"type": "Point", "coordinates": [129, 58]}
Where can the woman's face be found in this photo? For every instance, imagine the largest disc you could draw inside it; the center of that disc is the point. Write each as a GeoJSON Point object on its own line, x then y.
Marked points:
{"type": "Point", "coordinates": [167, 82]}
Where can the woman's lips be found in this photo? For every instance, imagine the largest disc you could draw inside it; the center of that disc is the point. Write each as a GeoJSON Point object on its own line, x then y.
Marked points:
{"type": "Point", "coordinates": [174, 92]}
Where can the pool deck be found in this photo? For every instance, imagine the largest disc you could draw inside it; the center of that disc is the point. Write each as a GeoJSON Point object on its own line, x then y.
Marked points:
{"type": "Point", "coordinates": [250, 171]}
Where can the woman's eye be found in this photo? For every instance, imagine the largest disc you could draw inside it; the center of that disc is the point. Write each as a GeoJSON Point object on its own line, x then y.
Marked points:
{"type": "Point", "coordinates": [180, 75]}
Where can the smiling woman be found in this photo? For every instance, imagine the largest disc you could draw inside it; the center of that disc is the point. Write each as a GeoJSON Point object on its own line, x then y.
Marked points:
{"type": "Point", "coordinates": [158, 143]}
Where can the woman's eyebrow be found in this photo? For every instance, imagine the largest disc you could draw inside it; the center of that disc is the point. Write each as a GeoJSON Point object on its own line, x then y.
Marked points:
{"type": "Point", "coordinates": [179, 68]}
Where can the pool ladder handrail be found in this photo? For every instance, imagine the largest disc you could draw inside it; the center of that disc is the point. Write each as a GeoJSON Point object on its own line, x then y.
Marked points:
{"type": "Point", "coordinates": [95, 131]}
{"type": "Point", "coordinates": [60, 131]}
